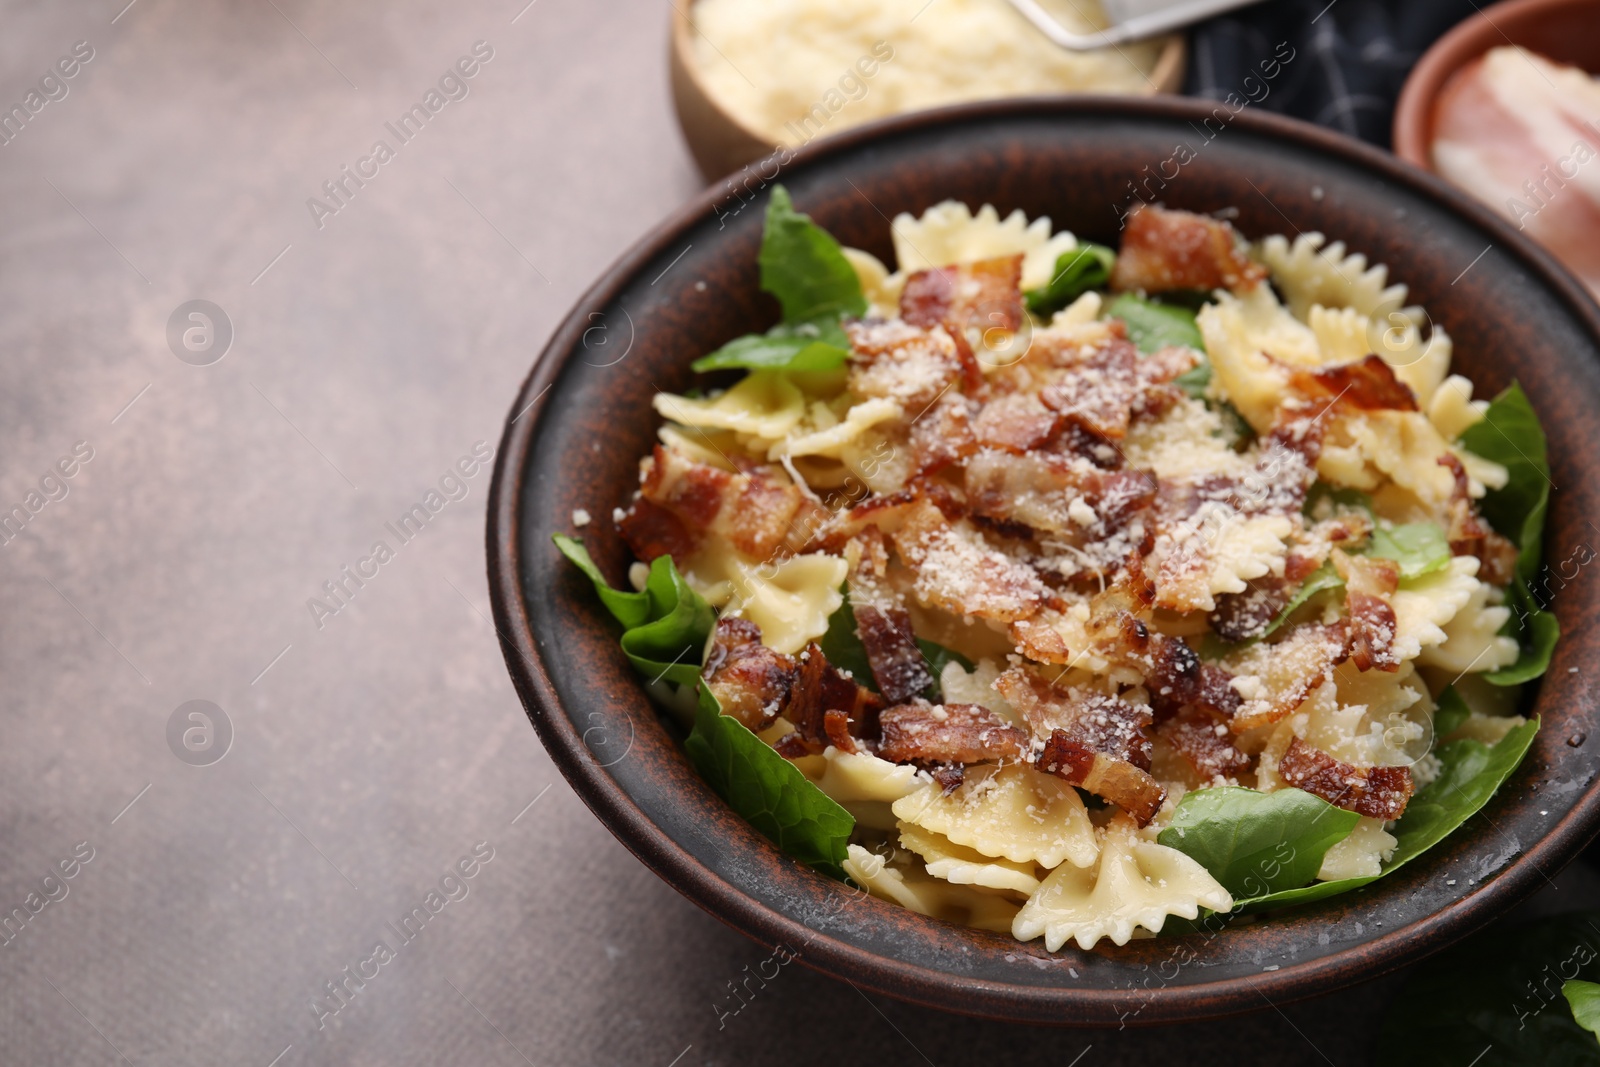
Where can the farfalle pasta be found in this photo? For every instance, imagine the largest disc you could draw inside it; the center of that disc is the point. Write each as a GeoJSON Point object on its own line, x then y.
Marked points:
{"type": "Point", "coordinates": [1022, 575]}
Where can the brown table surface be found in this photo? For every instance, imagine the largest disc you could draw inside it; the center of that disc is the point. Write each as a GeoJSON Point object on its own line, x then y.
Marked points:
{"type": "Point", "coordinates": [370, 752]}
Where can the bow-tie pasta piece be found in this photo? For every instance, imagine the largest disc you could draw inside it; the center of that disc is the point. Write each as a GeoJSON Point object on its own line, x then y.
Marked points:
{"type": "Point", "coordinates": [1014, 812]}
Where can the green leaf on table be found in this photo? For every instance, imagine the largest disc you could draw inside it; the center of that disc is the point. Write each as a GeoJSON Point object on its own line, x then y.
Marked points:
{"type": "Point", "coordinates": [804, 267]}
{"type": "Point", "coordinates": [767, 790]}
{"type": "Point", "coordinates": [1584, 999]}
{"type": "Point", "coordinates": [1420, 548]}
{"type": "Point", "coordinates": [1153, 326]}
{"type": "Point", "coordinates": [1472, 772]}
{"type": "Point", "coordinates": [1496, 999]}
{"type": "Point", "coordinates": [844, 650]}
{"type": "Point", "coordinates": [1077, 270]}
{"type": "Point", "coordinates": [1510, 435]}
{"type": "Point", "coordinates": [1257, 843]}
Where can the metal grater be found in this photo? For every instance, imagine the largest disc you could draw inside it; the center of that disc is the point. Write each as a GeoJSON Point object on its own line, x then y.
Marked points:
{"type": "Point", "coordinates": [1130, 20]}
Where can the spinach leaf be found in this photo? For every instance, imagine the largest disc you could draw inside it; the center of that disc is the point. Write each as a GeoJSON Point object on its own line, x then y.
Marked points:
{"type": "Point", "coordinates": [1419, 547]}
{"type": "Point", "coordinates": [767, 790]}
{"type": "Point", "coordinates": [1196, 380]}
{"type": "Point", "coordinates": [1510, 435]}
{"type": "Point", "coordinates": [1153, 326]}
{"type": "Point", "coordinates": [1450, 714]}
{"type": "Point", "coordinates": [1077, 270]}
{"type": "Point", "coordinates": [1472, 772]}
{"type": "Point", "coordinates": [804, 267]}
{"type": "Point", "coordinates": [668, 627]}
{"type": "Point", "coordinates": [1320, 580]}
{"type": "Point", "coordinates": [667, 640]}
{"type": "Point", "coordinates": [1584, 999]}
{"type": "Point", "coordinates": [842, 645]}
{"type": "Point", "coordinates": [1257, 843]}
{"type": "Point", "coordinates": [1535, 629]}
{"type": "Point", "coordinates": [803, 346]}
{"type": "Point", "coordinates": [1496, 999]}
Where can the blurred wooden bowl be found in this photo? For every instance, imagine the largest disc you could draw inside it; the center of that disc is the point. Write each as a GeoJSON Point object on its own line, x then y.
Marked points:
{"type": "Point", "coordinates": [1567, 31]}
{"type": "Point", "coordinates": [721, 144]}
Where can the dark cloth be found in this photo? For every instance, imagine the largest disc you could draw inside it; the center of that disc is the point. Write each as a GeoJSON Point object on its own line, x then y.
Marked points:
{"type": "Point", "coordinates": [1350, 57]}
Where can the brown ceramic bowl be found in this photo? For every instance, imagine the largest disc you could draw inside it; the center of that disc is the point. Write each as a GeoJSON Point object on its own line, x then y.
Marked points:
{"type": "Point", "coordinates": [583, 419]}
{"type": "Point", "coordinates": [721, 143]}
{"type": "Point", "coordinates": [1567, 31]}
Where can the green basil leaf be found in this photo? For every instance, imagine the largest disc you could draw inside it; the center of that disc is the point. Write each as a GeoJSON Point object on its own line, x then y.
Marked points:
{"type": "Point", "coordinates": [1494, 1000]}
{"type": "Point", "coordinates": [802, 346]}
{"type": "Point", "coordinates": [1153, 326]}
{"type": "Point", "coordinates": [1535, 629]}
{"type": "Point", "coordinates": [1078, 270]}
{"type": "Point", "coordinates": [1320, 580]}
{"type": "Point", "coordinates": [1584, 999]}
{"type": "Point", "coordinates": [1257, 843]}
{"type": "Point", "coordinates": [767, 790]}
{"type": "Point", "coordinates": [668, 628]}
{"type": "Point", "coordinates": [1510, 435]}
{"type": "Point", "coordinates": [1472, 773]}
{"type": "Point", "coordinates": [629, 608]}
{"type": "Point", "coordinates": [1450, 713]}
{"type": "Point", "coordinates": [804, 267]}
{"type": "Point", "coordinates": [1196, 380]}
{"type": "Point", "coordinates": [844, 650]}
{"type": "Point", "coordinates": [1420, 548]}
{"type": "Point", "coordinates": [668, 644]}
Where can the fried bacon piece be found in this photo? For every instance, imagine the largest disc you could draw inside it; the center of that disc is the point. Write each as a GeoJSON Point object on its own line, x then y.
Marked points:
{"type": "Point", "coordinates": [986, 295]}
{"type": "Point", "coordinates": [1114, 384]}
{"type": "Point", "coordinates": [1376, 792]}
{"type": "Point", "coordinates": [945, 434]}
{"type": "Point", "coordinates": [920, 732]}
{"type": "Point", "coordinates": [1242, 616]}
{"type": "Point", "coordinates": [883, 623]}
{"type": "Point", "coordinates": [1164, 249]}
{"type": "Point", "coordinates": [753, 510]}
{"type": "Point", "coordinates": [1061, 495]}
{"type": "Point", "coordinates": [1207, 744]}
{"type": "Point", "coordinates": [959, 572]}
{"type": "Point", "coordinates": [905, 363]}
{"type": "Point", "coordinates": [1303, 660]}
{"type": "Point", "coordinates": [969, 300]}
{"type": "Point", "coordinates": [1366, 384]}
{"type": "Point", "coordinates": [1369, 585]}
{"type": "Point", "coordinates": [820, 688]}
{"type": "Point", "coordinates": [751, 681]}
{"type": "Point", "coordinates": [1179, 679]}
{"type": "Point", "coordinates": [1470, 536]}
{"type": "Point", "coordinates": [1125, 785]}
{"type": "Point", "coordinates": [1105, 723]}
{"type": "Point", "coordinates": [1015, 422]}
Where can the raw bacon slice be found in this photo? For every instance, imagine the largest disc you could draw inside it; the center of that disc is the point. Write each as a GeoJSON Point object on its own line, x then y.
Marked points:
{"type": "Point", "coordinates": [920, 732]}
{"type": "Point", "coordinates": [1376, 792]}
{"type": "Point", "coordinates": [1164, 249]}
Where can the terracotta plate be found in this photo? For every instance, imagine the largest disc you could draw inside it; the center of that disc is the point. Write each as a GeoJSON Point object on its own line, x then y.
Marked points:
{"type": "Point", "coordinates": [583, 418]}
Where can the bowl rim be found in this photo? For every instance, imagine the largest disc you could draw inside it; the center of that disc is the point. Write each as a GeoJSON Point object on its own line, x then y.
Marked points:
{"type": "Point", "coordinates": [1412, 130]}
{"type": "Point", "coordinates": [983, 998]}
